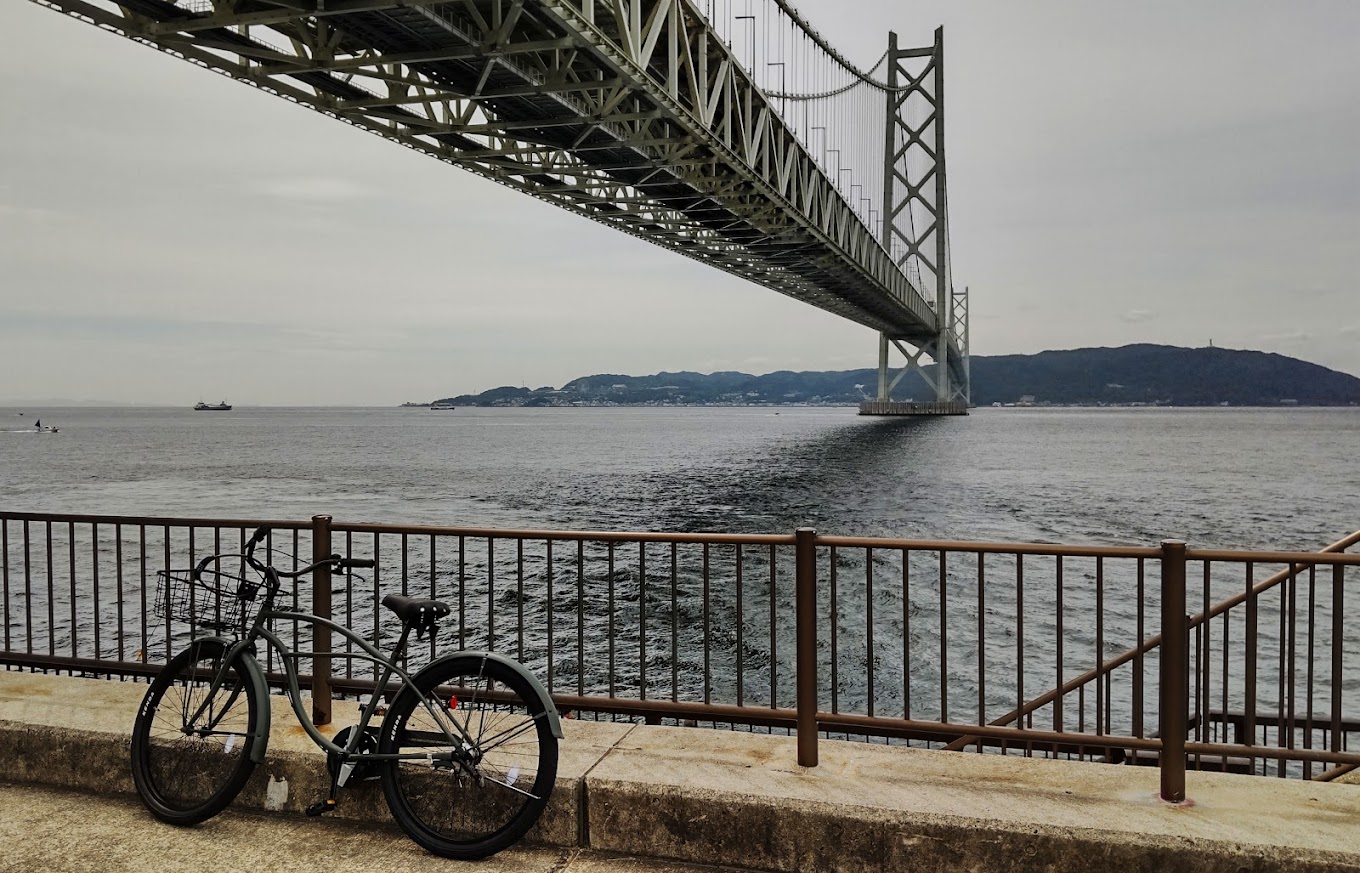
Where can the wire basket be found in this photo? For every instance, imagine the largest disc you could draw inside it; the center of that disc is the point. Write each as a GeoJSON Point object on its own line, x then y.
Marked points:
{"type": "Point", "coordinates": [215, 600]}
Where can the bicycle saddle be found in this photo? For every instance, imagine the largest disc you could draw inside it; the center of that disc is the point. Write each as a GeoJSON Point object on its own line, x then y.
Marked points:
{"type": "Point", "coordinates": [421, 613]}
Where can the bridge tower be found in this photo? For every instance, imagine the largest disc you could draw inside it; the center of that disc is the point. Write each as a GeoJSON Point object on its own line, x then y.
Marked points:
{"type": "Point", "coordinates": [915, 232]}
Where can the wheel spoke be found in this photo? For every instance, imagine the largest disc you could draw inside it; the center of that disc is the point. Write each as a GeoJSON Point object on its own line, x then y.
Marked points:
{"type": "Point", "coordinates": [505, 759]}
{"type": "Point", "coordinates": [191, 742]}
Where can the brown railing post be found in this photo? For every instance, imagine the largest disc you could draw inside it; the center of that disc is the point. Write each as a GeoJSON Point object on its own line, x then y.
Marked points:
{"type": "Point", "coordinates": [805, 606]}
{"type": "Point", "coordinates": [1174, 700]}
{"type": "Point", "coordinates": [321, 636]}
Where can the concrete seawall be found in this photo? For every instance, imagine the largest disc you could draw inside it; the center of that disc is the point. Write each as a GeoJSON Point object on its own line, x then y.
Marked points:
{"type": "Point", "coordinates": [736, 799]}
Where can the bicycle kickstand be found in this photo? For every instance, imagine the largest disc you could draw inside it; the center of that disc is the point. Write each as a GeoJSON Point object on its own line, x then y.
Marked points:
{"type": "Point", "coordinates": [339, 776]}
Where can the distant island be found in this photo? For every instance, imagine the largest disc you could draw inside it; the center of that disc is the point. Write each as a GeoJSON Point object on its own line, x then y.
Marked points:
{"type": "Point", "coordinates": [1135, 375]}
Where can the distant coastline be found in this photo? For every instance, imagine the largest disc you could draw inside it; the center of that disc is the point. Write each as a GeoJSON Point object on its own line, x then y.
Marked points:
{"type": "Point", "coordinates": [1129, 376]}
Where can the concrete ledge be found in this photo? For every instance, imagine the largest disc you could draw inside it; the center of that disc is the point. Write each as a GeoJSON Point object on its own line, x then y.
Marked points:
{"type": "Point", "coordinates": [737, 799]}
{"type": "Point", "coordinates": [714, 796]}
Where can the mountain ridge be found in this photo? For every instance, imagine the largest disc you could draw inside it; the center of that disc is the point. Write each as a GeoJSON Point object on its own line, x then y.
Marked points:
{"type": "Point", "coordinates": [1142, 374]}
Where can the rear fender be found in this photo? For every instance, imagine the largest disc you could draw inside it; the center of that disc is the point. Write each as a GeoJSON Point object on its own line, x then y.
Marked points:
{"type": "Point", "coordinates": [554, 720]}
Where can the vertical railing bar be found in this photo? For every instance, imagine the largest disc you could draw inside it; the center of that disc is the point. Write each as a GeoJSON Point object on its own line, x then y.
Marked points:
{"type": "Point", "coordinates": [869, 629]}
{"type": "Point", "coordinates": [675, 624]}
{"type": "Point", "coordinates": [94, 580]}
{"type": "Point", "coordinates": [1207, 669]}
{"type": "Point", "coordinates": [774, 650]}
{"type": "Point", "coordinates": [642, 618]}
{"type": "Point", "coordinates": [145, 650]}
{"type": "Point", "coordinates": [217, 550]}
{"type": "Point", "coordinates": [1102, 727]}
{"type": "Point", "coordinates": [349, 609]}
{"type": "Point", "coordinates": [377, 595]}
{"type": "Point", "coordinates": [610, 614]}
{"type": "Point", "coordinates": [1249, 680]}
{"type": "Point", "coordinates": [741, 623]}
{"type": "Point", "coordinates": [1293, 689]}
{"type": "Point", "coordinates": [405, 587]}
{"type": "Point", "coordinates": [944, 636]}
{"type": "Point", "coordinates": [28, 592]}
{"type": "Point", "coordinates": [1227, 646]}
{"type": "Point", "coordinates": [581, 618]}
{"type": "Point", "coordinates": [1338, 643]}
{"type": "Point", "coordinates": [1059, 702]}
{"type": "Point", "coordinates": [1311, 624]}
{"type": "Point", "coordinates": [1081, 706]}
{"type": "Point", "coordinates": [708, 675]}
{"type": "Point", "coordinates": [4, 576]}
{"type": "Point", "coordinates": [982, 641]}
{"type": "Point", "coordinates": [322, 606]}
{"type": "Point", "coordinates": [1020, 637]}
{"type": "Point", "coordinates": [548, 556]}
{"type": "Point", "coordinates": [805, 653]}
{"type": "Point", "coordinates": [405, 565]}
{"type": "Point", "coordinates": [297, 545]}
{"type": "Point", "coordinates": [1138, 667]}
{"type": "Point", "coordinates": [906, 634]}
{"type": "Point", "coordinates": [193, 591]}
{"type": "Point", "coordinates": [1173, 695]}
{"type": "Point", "coordinates": [462, 585]}
{"type": "Point", "coordinates": [835, 649]}
{"type": "Point", "coordinates": [491, 594]}
{"type": "Point", "coordinates": [71, 581]}
{"type": "Point", "coordinates": [519, 596]}
{"type": "Point", "coordinates": [166, 545]}
{"type": "Point", "coordinates": [1201, 667]}
{"type": "Point", "coordinates": [51, 598]}
{"type": "Point", "coordinates": [1281, 724]}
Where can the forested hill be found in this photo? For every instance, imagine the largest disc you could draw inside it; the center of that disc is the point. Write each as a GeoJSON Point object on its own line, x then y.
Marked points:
{"type": "Point", "coordinates": [1137, 374]}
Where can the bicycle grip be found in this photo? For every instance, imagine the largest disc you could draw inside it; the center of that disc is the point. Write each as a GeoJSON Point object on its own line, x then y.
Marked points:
{"type": "Point", "coordinates": [346, 563]}
{"type": "Point", "coordinates": [199, 567]}
{"type": "Point", "coordinates": [260, 533]}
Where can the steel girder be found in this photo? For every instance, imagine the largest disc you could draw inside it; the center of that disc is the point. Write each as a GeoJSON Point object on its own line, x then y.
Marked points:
{"type": "Point", "coordinates": [631, 112]}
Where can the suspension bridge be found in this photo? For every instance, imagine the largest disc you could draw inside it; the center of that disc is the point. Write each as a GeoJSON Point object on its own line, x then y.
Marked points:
{"type": "Point", "coordinates": [729, 131]}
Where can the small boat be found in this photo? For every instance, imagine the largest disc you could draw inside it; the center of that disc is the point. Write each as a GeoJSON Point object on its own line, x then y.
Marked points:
{"type": "Point", "coordinates": [39, 427]}
{"type": "Point", "coordinates": [442, 406]}
{"type": "Point", "coordinates": [224, 406]}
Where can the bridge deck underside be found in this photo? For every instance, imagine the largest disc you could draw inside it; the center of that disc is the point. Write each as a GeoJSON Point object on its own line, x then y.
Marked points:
{"type": "Point", "coordinates": [536, 104]}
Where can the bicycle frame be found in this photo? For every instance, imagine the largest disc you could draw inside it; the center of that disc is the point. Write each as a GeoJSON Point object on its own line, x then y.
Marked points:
{"type": "Point", "coordinates": [260, 629]}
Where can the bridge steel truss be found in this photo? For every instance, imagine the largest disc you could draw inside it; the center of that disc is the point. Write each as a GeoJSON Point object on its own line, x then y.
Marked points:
{"type": "Point", "coordinates": [632, 113]}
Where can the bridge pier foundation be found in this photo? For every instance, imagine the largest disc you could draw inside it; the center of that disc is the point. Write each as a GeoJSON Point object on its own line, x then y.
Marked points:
{"type": "Point", "coordinates": [909, 407]}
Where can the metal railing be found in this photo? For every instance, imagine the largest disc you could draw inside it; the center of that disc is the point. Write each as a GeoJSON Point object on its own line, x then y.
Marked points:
{"type": "Point", "coordinates": [939, 644]}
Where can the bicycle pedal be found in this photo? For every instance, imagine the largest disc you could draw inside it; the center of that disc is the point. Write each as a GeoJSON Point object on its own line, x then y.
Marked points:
{"type": "Point", "coordinates": [327, 805]}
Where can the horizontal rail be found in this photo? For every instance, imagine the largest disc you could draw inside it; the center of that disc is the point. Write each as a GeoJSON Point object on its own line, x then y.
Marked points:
{"type": "Point", "coordinates": [966, 547]}
{"type": "Point", "coordinates": [559, 535]}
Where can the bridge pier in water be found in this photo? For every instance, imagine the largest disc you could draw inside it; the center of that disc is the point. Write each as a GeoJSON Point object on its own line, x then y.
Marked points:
{"type": "Point", "coordinates": [911, 407]}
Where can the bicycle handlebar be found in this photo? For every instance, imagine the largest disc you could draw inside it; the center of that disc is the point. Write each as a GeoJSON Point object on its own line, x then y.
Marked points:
{"type": "Point", "coordinates": [259, 536]}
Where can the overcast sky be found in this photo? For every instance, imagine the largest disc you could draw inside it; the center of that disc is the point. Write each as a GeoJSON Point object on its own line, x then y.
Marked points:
{"type": "Point", "coordinates": [1171, 172]}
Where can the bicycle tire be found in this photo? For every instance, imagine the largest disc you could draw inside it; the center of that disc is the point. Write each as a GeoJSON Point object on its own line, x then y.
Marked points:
{"type": "Point", "coordinates": [447, 810]}
{"type": "Point", "coordinates": [186, 775]}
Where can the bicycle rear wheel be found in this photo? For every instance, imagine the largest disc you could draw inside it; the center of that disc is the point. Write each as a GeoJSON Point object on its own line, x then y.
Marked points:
{"type": "Point", "coordinates": [470, 798]}
{"type": "Point", "coordinates": [191, 744]}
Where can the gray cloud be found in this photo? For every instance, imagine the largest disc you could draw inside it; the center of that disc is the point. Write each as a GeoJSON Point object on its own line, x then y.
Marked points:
{"type": "Point", "coordinates": [1151, 172]}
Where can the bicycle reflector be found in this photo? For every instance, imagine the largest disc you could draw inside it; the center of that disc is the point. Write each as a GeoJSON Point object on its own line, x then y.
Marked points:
{"type": "Point", "coordinates": [453, 701]}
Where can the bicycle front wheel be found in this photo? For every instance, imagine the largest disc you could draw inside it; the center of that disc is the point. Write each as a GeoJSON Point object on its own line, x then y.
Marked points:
{"type": "Point", "coordinates": [194, 733]}
{"type": "Point", "coordinates": [473, 796]}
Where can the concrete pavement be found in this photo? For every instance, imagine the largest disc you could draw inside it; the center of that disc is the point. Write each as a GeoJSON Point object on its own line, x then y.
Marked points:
{"type": "Point", "coordinates": [52, 829]}
{"type": "Point", "coordinates": [736, 799]}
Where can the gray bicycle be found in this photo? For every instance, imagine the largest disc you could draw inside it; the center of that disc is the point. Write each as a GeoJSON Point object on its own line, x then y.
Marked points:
{"type": "Point", "coordinates": [466, 751]}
